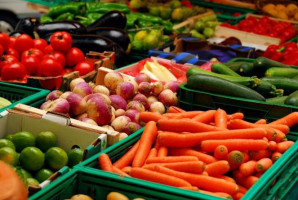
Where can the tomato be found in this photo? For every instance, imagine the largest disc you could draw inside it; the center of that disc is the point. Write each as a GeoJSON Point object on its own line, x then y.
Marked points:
{"type": "Point", "coordinates": [23, 43]}
{"type": "Point", "coordinates": [84, 68]}
{"type": "Point", "coordinates": [61, 41]}
{"type": "Point", "coordinates": [13, 71]}
{"type": "Point", "coordinates": [40, 44]}
{"type": "Point", "coordinates": [74, 56]}
{"type": "Point", "coordinates": [33, 52]}
{"type": "Point", "coordinates": [236, 14]}
{"type": "Point", "coordinates": [31, 63]}
{"type": "Point", "coordinates": [49, 67]}
{"type": "Point", "coordinates": [12, 41]}
{"type": "Point", "coordinates": [6, 59]}
{"type": "Point", "coordinates": [4, 40]}
{"type": "Point", "coordinates": [1, 50]}
{"type": "Point", "coordinates": [67, 71]}
{"type": "Point", "coordinates": [58, 56]}
{"type": "Point", "coordinates": [48, 49]}
{"type": "Point", "coordinates": [13, 52]}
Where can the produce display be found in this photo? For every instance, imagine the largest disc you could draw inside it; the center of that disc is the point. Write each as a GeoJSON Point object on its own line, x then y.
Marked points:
{"type": "Point", "coordinates": [282, 11]}
{"type": "Point", "coordinates": [286, 54]}
{"type": "Point", "coordinates": [204, 27]}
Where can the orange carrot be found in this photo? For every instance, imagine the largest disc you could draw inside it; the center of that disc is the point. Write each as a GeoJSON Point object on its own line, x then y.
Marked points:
{"type": "Point", "coordinates": [240, 124]}
{"type": "Point", "coordinates": [189, 114]}
{"type": "Point", "coordinates": [218, 168]}
{"type": "Point", "coordinates": [272, 146]}
{"type": "Point", "coordinates": [119, 171]}
{"type": "Point", "coordinates": [196, 167]}
{"type": "Point", "coordinates": [171, 139]}
{"type": "Point", "coordinates": [184, 125]}
{"type": "Point", "coordinates": [248, 168]}
{"type": "Point", "coordinates": [245, 156]}
{"type": "Point", "coordinates": [193, 188]}
{"type": "Point", "coordinates": [152, 153]}
{"type": "Point", "coordinates": [289, 120]}
{"type": "Point", "coordinates": [127, 169]}
{"type": "Point", "coordinates": [190, 152]}
{"type": "Point", "coordinates": [171, 159]}
{"type": "Point", "coordinates": [227, 178]}
{"type": "Point", "coordinates": [263, 164]}
{"type": "Point", "coordinates": [127, 158]}
{"type": "Point", "coordinates": [258, 155]}
{"type": "Point", "coordinates": [105, 162]}
{"type": "Point", "coordinates": [205, 173]}
{"type": "Point", "coordinates": [280, 136]}
{"type": "Point", "coordinates": [283, 146]}
{"type": "Point", "coordinates": [283, 128]}
{"type": "Point", "coordinates": [242, 189]}
{"type": "Point", "coordinates": [275, 156]}
{"type": "Point", "coordinates": [248, 181]}
{"type": "Point", "coordinates": [235, 116]}
{"type": "Point", "coordinates": [217, 194]}
{"type": "Point", "coordinates": [235, 158]}
{"type": "Point", "coordinates": [156, 145]}
{"type": "Point", "coordinates": [221, 118]}
{"type": "Point", "coordinates": [237, 175]}
{"type": "Point", "coordinates": [238, 196]}
{"type": "Point", "coordinates": [147, 139]}
{"type": "Point", "coordinates": [234, 144]}
{"type": "Point", "coordinates": [157, 177]}
{"type": "Point", "coordinates": [221, 152]}
{"type": "Point", "coordinates": [162, 152]}
{"type": "Point", "coordinates": [205, 117]}
{"type": "Point", "coordinates": [259, 174]}
{"type": "Point", "coordinates": [150, 116]}
{"type": "Point", "coordinates": [174, 109]}
{"type": "Point", "coordinates": [261, 121]}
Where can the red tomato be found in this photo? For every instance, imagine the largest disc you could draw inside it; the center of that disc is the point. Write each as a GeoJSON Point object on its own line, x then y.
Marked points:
{"type": "Point", "coordinates": [61, 41]}
{"type": "Point", "coordinates": [12, 41]}
{"type": "Point", "coordinates": [49, 67]}
{"type": "Point", "coordinates": [33, 52]}
{"type": "Point", "coordinates": [6, 59]}
{"type": "Point", "coordinates": [31, 63]}
{"type": "Point", "coordinates": [84, 68]}
{"type": "Point", "coordinates": [4, 40]}
{"type": "Point", "coordinates": [48, 49]}
{"type": "Point", "coordinates": [23, 43]}
{"type": "Point", "coordinates": [13, 71]}
{"type": "Point", "coordinates": [236, 14]}
{"type": "Point", "coordinates": [1, 50]}
{"type": "Point", "coordinates": [40, 44]}
{"type": "Point", "coordinates": [58, 56]}
{"type": "Point", "coordinates": [74, 56]}
{"type": "Point", "coordinates": [13, 52]}
{"type": "Point", "coordinates": [67, 71]}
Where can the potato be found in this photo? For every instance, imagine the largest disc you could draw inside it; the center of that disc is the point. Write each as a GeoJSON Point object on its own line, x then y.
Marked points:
{"type": "Point", "coordinates": [116, 196]}
{"type": "Point", "coordinates": [81, 197]}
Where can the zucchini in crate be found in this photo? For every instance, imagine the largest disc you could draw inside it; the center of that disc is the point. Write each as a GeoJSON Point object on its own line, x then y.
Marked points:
{"type": "Point", "coordinates": [223, 69]}
{"type": "Point", "coordinates": [242, 68]}
{"type": "Point", "coordinates": [287, 84]}
{"type": "Point", "coordinates": [280, 100]}
{"type": "Point", "coordinates": [292, 99]}
{"type": "Point", "coordinates": [268, 90]}
{"type": "Point", "coordinates": [281, 72]}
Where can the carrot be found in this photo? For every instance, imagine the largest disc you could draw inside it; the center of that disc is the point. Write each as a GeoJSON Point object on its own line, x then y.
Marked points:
{"type": "Point", "coordinates": [127, 169]}
{"type": "Point", "coordinates": [189, 114]}
{"type": "Point", "coordinates": [127, 158]}
{"type": "Point", "coordinates": [259, 174]}
{"type": "Point", "coordinates": [248, 181]}
{"type": "Point", "coordinates": [261, 121]}
{"type": "Point", "coordinates": [245, 156]}
{"type": "Point", "coordinates": [217, 194]}
{"type": "Point", "coordinates": [283, 146]}
{"type": "Point", "coordinates": [162, 152]}
{"type": "Point", "coordinates": [235, 116]}
{"type": "Point", "coordinates": [263, 164]}
{"type": "Point", "coordinates": [190, 152]}
{"type": "Point", "coordinates": [234, 144]}
{"type": "Point", "coordinates": [248, 168]}
{"type": "Point", "coordinates": [235, 158]}
{"type": "Point", "coordinates": [238, 196]}
{"type": "Point", "coordinates": [218, 168]}
{"type": "Point", "coordinates": [150, 116]}
{"type": "Point", "coordinates": [152, 153]}
{"type": "Point", "coordinates": [119, 171]}
{"type": "Point", "coordinates": [157, 177]}
{"type": "Point", "coordinates": [283, 128]}
{"type": "Point", "coordinates": [205, 182]}
{"type": "Point", "coordinates": [171, 139]}
{"type": "Point", "coordinates": [258, 155]}
{"type": "Point", "coordinates": [272, 146]}
{"type": "Point", "coordinates": [275, 156]}
{"type": "Point", "coordinates": [171, 159]}
{"type": "Point", "coordinates": [242, 189]}
{"type": "Point", "coordinates": [105, 162]}
{"type": "Point", "coordinates": [280, 136]}
{"type": "Point", "coordinates": [174, 109]}
{"type": "Point", "coordinates": [221, 152]}
{"type": "Point", "coordinates": [147, 139]}
{"type": "Point", "coordinates": [196, 167]}
{"type": "Point", "coordinates": [237, 175]}
{"type": "Point", "coordinates": [205, 117]}
{"type": "Point", "coordinates": [156, 145]}
{"type": "Point", "coordinates": [227, 178]}
{"type": "Point", "coordinates": [205, 173]}
{"type": "Point", "coordinates": [221, 118]}
{"type": "Point", "coordinates": [184, 125]}
{"type": "Point", "coordinates": [193, 188]}
{"type": "Point", "coordinates": [289, 120]}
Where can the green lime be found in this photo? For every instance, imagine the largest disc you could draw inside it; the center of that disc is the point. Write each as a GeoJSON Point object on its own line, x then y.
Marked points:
{"type": "Point", "coordinates": [32, 181]}
{"type": "Point", "coordinates": [196, 34]}
{"type": "Point", "coordinates": [165, 12]}
{"type": "Point", "coordinates": [8, 137]}
{"type": "Point", "coordinates": [56, 158]}
{"type": "Point", "coordinates": [32, 158]}
{"type": "Point", "coordinates": [9, 156]}
{"type": "Point", "coordinates": [43, 175]}
{"type": "Point", "coordinates": [154, 10]}
{"type": "Point", "coordinates": [22, 140]}
{"type": "Point", "coordinates": [25, 173]}
{"type": "Point", "coordinates": [7, 143]}
{"type": "Point", "coordinates": [45, 140]}
{"type": "Point", "coordinates": [140, 35]}
{"type": "Point", "coordinates": [178, 14]}
{"type": "Point", "coordinates": [151, 42]}
{"type": "Point", "coordinates": [208, 32]}
{"type": "Point", "coordinates": [137, 45]}
{"type": "Point", "coordinates": [199, 26]}
{"type": "Point", "coordinates": [75, 156]}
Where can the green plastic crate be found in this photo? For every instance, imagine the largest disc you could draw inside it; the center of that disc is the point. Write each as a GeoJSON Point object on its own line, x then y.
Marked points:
{"type": "Point", "coordinates": [22, 94]}
{"type": "Point", "coordinates": [50, 3]}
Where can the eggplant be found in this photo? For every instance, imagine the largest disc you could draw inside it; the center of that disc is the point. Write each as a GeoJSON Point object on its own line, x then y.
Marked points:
{"type": "Point", "coordinates": [113, 18]}
{"type": "Point", "coordinates": [27, 25]}
{"type": "Point", "coordinates": [72, 27]}
{"type": "Point", "coordinates": [119, 36]}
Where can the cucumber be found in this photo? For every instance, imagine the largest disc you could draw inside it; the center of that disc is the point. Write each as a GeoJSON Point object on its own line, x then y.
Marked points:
{"type": "Point", "coordinates": [222, 86]}
{"type": "Point", "coordinates": [246, 81]}
{"type": "Point", "coordinates": [292, 99]}
{"type": "Point", "coordinates": [281, 72]}
{"type": "Point", "coordinates": [268, 90]}
{"type": "Point", "coordinates": [223, 69]}
{"type": "Point", "coordinates": [280, 100]}
{"type": "Point", "coordinates": [266, 63]}
{"type": "Point", "coordinates": [287, 84]}
{"type": "Point", "coordinates": [242, 68]}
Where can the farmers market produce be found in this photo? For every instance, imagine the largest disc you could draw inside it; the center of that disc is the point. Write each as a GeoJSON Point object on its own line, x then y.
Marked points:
{"type": "Point", "coordinates": [4, 102]}
{"type": "Point", "coordinates": [205, 27]}
{"type": "Point", "coordinates": [283, 11]}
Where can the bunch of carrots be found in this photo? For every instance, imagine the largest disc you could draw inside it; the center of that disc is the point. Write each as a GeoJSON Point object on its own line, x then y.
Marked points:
{"type": "Point", "coordinates": [206, 151]}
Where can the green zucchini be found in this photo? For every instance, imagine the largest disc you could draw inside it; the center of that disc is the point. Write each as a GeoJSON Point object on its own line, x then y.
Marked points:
{"type": "Point", "coordinates": [281, 72]}
{"type": "Point", "coordinates": [242, 68]}
{"type": "Point", "coordinates": [266, 63]}
{"type": "Point", "coordinates": [222, 86]}
{"type": "Point", "coordinates": [246, 81]}
{"type": "Point", "coordinates": [292, 99]}
{"type": "Point", "coordinates": [280, 100]}
{"type": "Point", "coordinates": [223, 69]}
{"type": "Point", "coordinates": [287, 84]}
{"type": "Point", "coordinates": [268, 90]}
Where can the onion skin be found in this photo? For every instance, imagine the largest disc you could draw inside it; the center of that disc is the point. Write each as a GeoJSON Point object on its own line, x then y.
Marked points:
{"type": "Point", "coordinates": [118, 102]}
{"type": "Point", "coordinates": [168, 98]}
{"type": "Point", "coordinates": [82, 89]}
{"type": "Point", "coordinates": [54, 95]}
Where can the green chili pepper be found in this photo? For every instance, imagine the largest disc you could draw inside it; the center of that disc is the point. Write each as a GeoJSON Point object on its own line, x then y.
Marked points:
{"type": "Point", "coordinates": [65, 16]}
{"type": "Point", "coordinates": [168, 27]}
{"type": "Point", "coordinates": [45, 19]}
{"type": "Point", "coordinates": [94, 16]}
{"type": "Point", "coordinates": [148, 18]}
{"type": "Point", "coordinates": [144, 24]}
{"type": "Point", "coordinates": [97, 7]}
{"type": "Point", "coordinates": [85, 21]}
{"type": "Point", "coordinates": [132, 19]}
{"type": "Point", "coordinates": [74, 8]}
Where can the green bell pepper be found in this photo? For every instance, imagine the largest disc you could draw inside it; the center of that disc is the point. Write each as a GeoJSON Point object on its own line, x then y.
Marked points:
{"type": "Point", "coordinates": [45, 19]}
{"type": "Point", "coordinates": [97, 7]}
{"type": "Point", "coordinates": [65, 16]}
{"type": "Point", "coordinates": [72, 7]}
{"type": "Point", "coordinates": [131, 21]}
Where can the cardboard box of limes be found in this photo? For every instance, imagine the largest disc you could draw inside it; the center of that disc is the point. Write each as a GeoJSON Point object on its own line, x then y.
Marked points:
{"type": "Point", "coordinates": [41, 148]}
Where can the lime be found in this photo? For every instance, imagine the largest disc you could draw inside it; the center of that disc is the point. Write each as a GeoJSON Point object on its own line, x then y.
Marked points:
{"type": "Point", "coordinates": [151, 42]}
{"type": "Point", "coordinates": [32, 159]}
{"type": "Point", "coordinates": [208, 32]}
{"type": "Point", "coordinates": [178, 14]}
{"type": "Point", "coordinates": [199, 26]}
{"type": "Point", "coordinates": [45, 140]}
{"type": "Point", "coordinates": [75, 156]}
{"type": "Point", "coordinates": [8, 137]}
{"type": "Point", "coordinates": [165, 12]}
{"type": "Point", "coordinates": [22, 140]}
{"type": "Point", "coordinates": [137, 45]}
{"type": "Point", "coordinates": [9, 156]}
{"type": "Point", "coordinates": [25, 173]}
{"type": "Point", "coordinates": [43, 175]}
{"type": "Point", "coordinates": [165, 38]}
{"type": "Point", "coordinates": [140, 35]}
{"type": "Point", "coordinates": [154, 11]}
{"type": "Point", "coordinates": [32, 181]}
{"type": "Point", "coordinates": [56, 158]}
{"type": "Point", "coordinates": [7, 143]}
{"type": "Point", "coordinates": [196, 34]}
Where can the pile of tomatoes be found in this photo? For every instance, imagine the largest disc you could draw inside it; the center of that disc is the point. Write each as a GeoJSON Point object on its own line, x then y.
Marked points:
{"type": "Point", "coordinates": [23, 56]}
